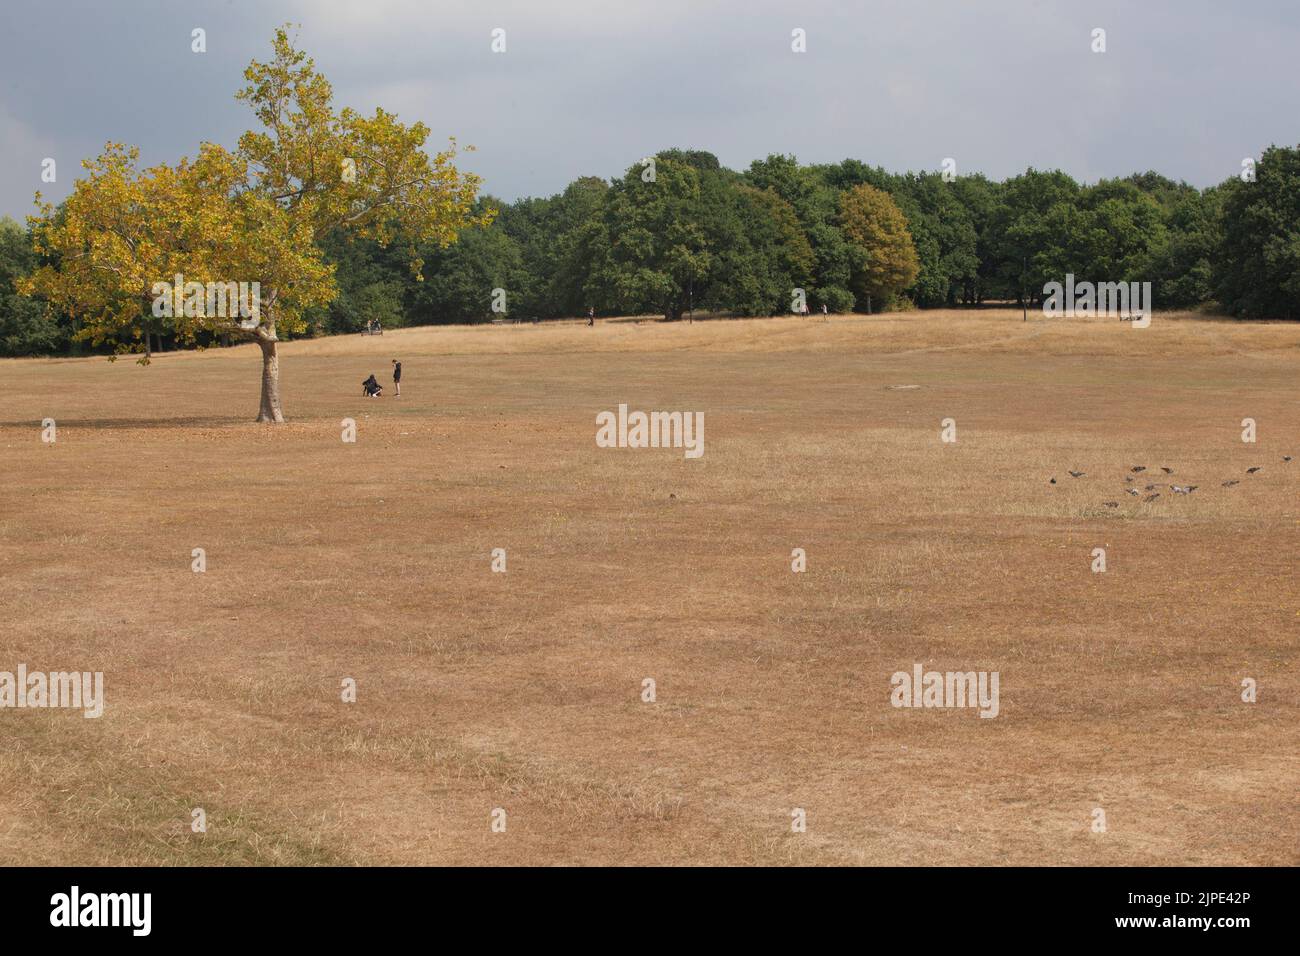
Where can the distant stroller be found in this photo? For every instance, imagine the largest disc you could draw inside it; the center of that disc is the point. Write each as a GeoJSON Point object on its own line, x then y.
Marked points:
{"type": "Point", "coordinates": [371, 387]}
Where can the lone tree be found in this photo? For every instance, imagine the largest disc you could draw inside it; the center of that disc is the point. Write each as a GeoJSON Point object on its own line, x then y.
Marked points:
{"type": "Point", "coordinates": [258, 214]}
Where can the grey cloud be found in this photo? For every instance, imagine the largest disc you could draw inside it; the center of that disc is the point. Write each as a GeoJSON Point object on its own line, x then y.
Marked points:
{"type": "Point", "coordinates": [1186, 88]}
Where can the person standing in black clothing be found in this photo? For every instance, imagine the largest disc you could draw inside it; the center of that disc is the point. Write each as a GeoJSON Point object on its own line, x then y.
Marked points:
{"type": "Point", "coordinates": [397, 378]}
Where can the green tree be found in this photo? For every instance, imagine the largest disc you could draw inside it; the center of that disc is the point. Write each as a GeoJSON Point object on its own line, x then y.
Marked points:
{"type": "Point", "coordinates": [1110, 232]}
{"type": "Point", "coordinates": [1257, 273]}
{"type": "Point", "coordinates": [816, 203]}
{"type": "Point", "coordinates": [981, 198]}
{"type": "Point", "coordinates": [770, 257]}
{"type": "Point", "coordinates": [549, 233]}
{"type": "Point", "coordinates": [1162, 189]}
{"type": "Point", "coordinates": [26, 326]}
{"type": "Point", "coordinates": [460, 279]}
{"type": "Point", "coordinates": [373, 282]}
{"type": "Point", "coordinates": [656, 249]}
{"type": "Point", "coordinates": [1027, 250]}
{"type": "Point", "coordinates": [1183, 270]}
{"type": "Point", "coordinates": [945, 237]}
{"type": "Point", "coordinates": [796, 184]}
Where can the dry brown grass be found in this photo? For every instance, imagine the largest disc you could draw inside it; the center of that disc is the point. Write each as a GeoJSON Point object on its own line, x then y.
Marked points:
{"type": "Point", "coordinates": [481, 690]}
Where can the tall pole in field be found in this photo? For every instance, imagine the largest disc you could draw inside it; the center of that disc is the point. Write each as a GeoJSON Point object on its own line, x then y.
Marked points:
{"type": "Point", "coordinates": [1024, 298]}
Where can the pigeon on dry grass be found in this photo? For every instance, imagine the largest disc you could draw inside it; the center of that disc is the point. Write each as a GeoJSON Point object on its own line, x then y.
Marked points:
{"type": "Point", "coordinates": [1167, 471]}
{"type": "Point", "coordinates": [1152, 497]}
{"type": "Point", "coordinates": [1251, 471]}
{"type": "Point", "coordinates": [1136, 468]}
{"type": "Point", "coordinates": [1077, 474]}
{"type": "Point", "coordinates": [1232, 481]}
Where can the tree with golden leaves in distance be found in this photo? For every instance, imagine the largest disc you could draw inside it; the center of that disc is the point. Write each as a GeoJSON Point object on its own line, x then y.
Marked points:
{"type": "Point", "coordinates": [257, 214]}
{"type": "Point", "coordinates": [121, 231]}
{"type": "Point", "coordinates": [871, 220]}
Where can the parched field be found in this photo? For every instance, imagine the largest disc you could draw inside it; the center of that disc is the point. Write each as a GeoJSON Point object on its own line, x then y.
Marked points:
{"type": "Point", "coordinates": [1119, 691]}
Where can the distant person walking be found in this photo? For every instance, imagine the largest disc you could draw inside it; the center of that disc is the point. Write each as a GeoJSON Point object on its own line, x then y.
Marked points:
{"type": "Point", "coordinates": [397, 379]}
{"type": "Point", "coordinates": [591, 316]}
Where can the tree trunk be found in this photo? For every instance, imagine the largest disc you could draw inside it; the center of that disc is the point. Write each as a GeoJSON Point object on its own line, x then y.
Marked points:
{"type": "Point", "coordinates": [270, 410]}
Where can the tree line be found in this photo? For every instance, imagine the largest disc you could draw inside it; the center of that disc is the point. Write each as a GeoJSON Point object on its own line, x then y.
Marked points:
{"type": "Point", "coordinates": [683, 232]}
{"type": "Point", "coordinates": [679, 232]}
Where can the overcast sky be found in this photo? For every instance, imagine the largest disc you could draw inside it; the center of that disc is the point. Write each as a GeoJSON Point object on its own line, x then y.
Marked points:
{"type": "Point", "coordinates": [588, 87]}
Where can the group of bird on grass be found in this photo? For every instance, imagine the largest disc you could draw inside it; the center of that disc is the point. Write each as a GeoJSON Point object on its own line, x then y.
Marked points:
{"type": "Point", "coordinates": [1131, 480]}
